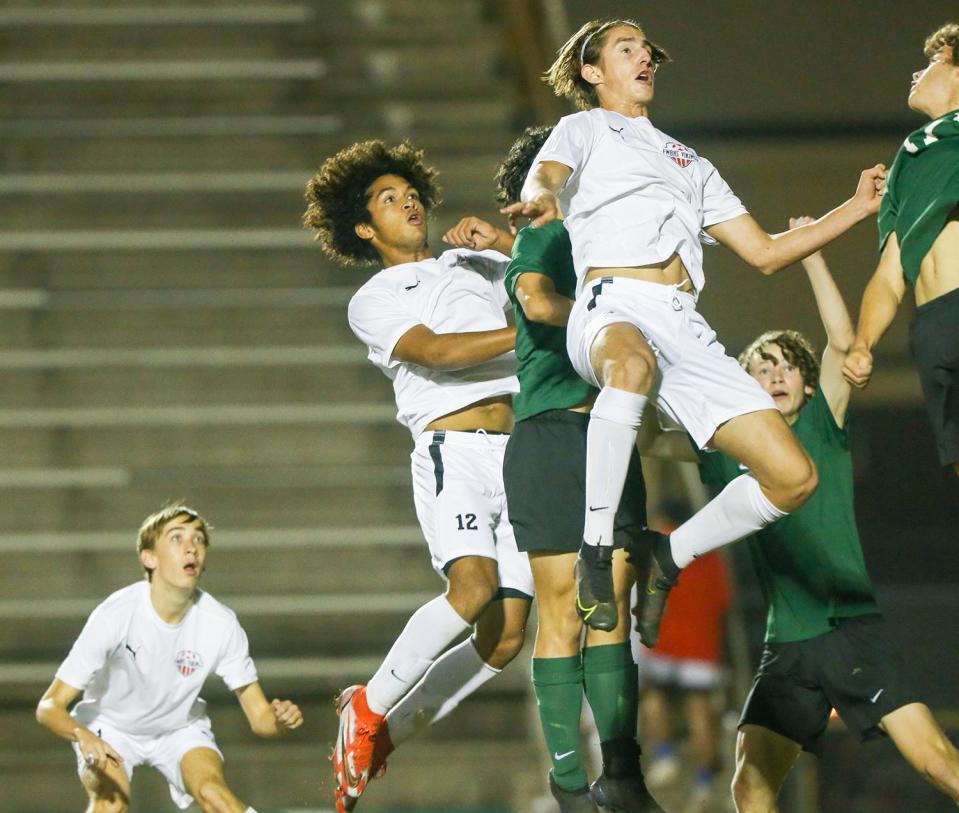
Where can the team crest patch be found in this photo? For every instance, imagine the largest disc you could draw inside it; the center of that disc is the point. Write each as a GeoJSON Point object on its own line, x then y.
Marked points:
{"type": "Point", "coordinates": [679, 153]}
{"type": "Point", "coordinates": [187, 662]}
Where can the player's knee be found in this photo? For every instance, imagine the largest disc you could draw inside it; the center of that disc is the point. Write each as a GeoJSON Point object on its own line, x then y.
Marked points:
{"type": "Point", "coordinates": [797, 484]}
{"type": "Point", "coordinates": [110, 803]}
{"type": "Point", "coordinates": [473, 584]}
{"type": "Point", "coordinates": [213, 796]}
{"type": "Point", "coordinates": [633, 372]}
{"type": "Point", "coordinates": [939, 765]}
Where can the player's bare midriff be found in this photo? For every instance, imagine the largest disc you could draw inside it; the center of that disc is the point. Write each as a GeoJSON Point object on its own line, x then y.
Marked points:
{"type": "Point", "coordinates": [491, 414]}
{"type": "Point", "coordinates": [671, 272]}
{"type": "Point", "coordinates": [939, 271]}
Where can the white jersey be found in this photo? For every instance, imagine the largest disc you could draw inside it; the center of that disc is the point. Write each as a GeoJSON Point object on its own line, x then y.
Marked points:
{"type": "Point", "coordinates": [143, 675]}
{"type": "Point", "coordinates": [461, 291]}
{"type": "Point", "coordinates": [636, 196]}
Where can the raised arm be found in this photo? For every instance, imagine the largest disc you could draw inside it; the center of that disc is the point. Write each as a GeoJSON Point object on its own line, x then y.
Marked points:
{"type": "Point", "coordinates": [268, 719]}
{"type": "Point", "coordinates": [880, 301]}
{"type": "Point", "coordinates": [538, 298]}
{"type": "Point", "coordinates": [53, 713]}
{"type": "Point", "coordinates": [539, 200]}
{"type": "Point", "coordinates": [453, 351]}
{"type": "Point", "coordinates": [838, 326]}
{"type": "Point", "coordinates": [772, 252]}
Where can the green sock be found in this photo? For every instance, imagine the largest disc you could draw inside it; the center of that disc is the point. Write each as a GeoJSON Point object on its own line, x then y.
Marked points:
{"type": "Point", "coordinates": [611, 680]}
{"type": "Point", "coordinates": [558, 684]}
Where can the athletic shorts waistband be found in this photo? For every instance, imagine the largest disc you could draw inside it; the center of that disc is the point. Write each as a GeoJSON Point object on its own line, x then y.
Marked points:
{"type": "Point", "coordinates": [653, 290]}
{"type": "Point", "coordinates": [462, 437]}
{"type": "Point", "coordinates": [559, 416]}
{"type": "Point", "coordinates": [949, 299]}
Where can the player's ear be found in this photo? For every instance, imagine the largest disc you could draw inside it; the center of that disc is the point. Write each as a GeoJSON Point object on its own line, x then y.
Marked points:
{"type": "Point", "coordinates": [364, 231]}
{"type": "Point", "coordinates": [148, 558]}
{"type": "Point", "coordinates": [592, 74]}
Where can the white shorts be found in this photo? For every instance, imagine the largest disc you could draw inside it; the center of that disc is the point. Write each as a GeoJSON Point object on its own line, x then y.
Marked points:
{"type": "Point", "coordinates": [161, 751]}
{"type": "Point", "coordinates": [698, 385]}
{"type": "Point", "coordinates": [461, 504]}
{"type": "Point", "coordinates": [681, 673]}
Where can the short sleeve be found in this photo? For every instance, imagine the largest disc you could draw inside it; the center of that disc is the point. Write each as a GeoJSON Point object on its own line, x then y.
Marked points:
{"type": "Point", "coordinates": [570, 142]}
{"type": "Point", "coordinates": [889, 208]}
{"type": "Point", "coordinates": [496, 266]}
{"type": "Point", "coordinates": [89, 653]}
{"type": "Point", "coordinates": [817, 414]}
{"type": "Point", "coordinates": [378, 319]}
{"type": "Point", "coordinates": [235, 666]}
{"type": "Point", "coordinates": [719, 202]}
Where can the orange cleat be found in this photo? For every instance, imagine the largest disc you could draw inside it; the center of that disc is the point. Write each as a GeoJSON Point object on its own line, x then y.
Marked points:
{"type": "Point", "coordinates": [353, 754]}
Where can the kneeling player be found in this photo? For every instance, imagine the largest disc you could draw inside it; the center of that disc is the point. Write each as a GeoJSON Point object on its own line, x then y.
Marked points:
{"type": "Point", "coordinates": [140, 663]}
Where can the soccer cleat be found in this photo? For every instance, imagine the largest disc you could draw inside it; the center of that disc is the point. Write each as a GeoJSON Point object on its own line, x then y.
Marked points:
{"type": "Point", "coordinates": [660, 578]}
{"type": "Point", "coordinates": [572, 801]}
{"type": "Point", "coordinates": [354, 753]}
{"type": "Point", "coordinates": [625, 795]}
{"type": "Point", "coordinates": [595, 599]}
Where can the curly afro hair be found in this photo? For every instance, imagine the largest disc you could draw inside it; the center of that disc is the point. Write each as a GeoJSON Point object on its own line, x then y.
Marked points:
{"type": "Point", "coordinates": [337, 196]}
{"type": "Point", "coordinates": [796, 349]}
{"type": "Point", "coordinates": [511, 174]}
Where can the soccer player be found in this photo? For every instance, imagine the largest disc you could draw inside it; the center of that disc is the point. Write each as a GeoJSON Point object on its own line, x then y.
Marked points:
{"type": "Point", "coordinates": [638, 205]}
{"type": "Point", "coordinates": [544, 475]}
{"type": "Point", "coordinates": [919, 241]}
{"type": "Point", "coordinates": [140, 662]}
{"type": "Point", "coordinates": [437, 328]}
{"type": "Point", "coordinates": [826, 642]}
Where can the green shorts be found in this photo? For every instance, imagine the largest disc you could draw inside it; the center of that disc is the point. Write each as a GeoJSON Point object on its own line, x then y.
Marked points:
{"type": "Point", "coordinates": [544, 472]}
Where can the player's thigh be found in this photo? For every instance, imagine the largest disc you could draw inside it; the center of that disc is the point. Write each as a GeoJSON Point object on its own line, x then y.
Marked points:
{"type": "Point", "coordinates": [202, 770]}
{"type": "Point", "coordinates": [763, 760]}
{"type": "Point", "coordinates": [621, 357]}
{"type": "Point", "coordinates": [918, 736]}
{"type": "Point", "coordinates": [763, 442]}
{"type": "Point", "coordinates": [108, 789]}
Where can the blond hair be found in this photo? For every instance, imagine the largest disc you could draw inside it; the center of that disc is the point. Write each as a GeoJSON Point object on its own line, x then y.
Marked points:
{"type": "Point", "coordinates": [153, 525]}
{"type": "Point", "coordinates": [946, 36]}
{"type": "Point", "coordinates": [796, 349]}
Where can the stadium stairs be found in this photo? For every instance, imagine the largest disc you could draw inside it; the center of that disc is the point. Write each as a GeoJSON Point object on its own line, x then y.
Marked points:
{"type": "Point", "coordinates": [167, 330]}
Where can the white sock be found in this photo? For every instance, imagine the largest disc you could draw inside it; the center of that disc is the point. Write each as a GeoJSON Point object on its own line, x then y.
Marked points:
{"type": "Point", "coordinates": [451, 679]}
{"type": "Point", "coordinates": [609, 445]}
{"type": "Point", "coordinates": [738, 510]}
{"type": "Point", "coordinates": [428, 632]}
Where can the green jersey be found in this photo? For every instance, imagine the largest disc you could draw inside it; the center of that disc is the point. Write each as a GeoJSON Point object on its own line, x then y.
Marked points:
{"type": "Point", "coordinates": [547, 380]}
{"type": "Point", "coordinates": [921, 191]}
{"type": "Point", "coordinates": [810, 563]}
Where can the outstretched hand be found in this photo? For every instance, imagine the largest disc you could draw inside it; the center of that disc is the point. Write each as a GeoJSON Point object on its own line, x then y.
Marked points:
{"type": "Point", "coordinates": [472, 232]}
{"type": "Point", "coordinates": [871, 188]}
{"type": "Point", "coordinates": [542, 209]}
{"type": "Point", "coordinates": [857, 369]}
{"type": "Point", "coordinates": [287, 713]}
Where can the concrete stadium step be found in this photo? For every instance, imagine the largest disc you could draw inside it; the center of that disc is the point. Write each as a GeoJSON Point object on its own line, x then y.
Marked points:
{"type": "Point", "coordinates": [249, 562]}
{"type": "Point", "coordinates": [308, 625]}
{"type": "Point", "coordinates": [360, 105]}
{"type": "Point", "coordinates": [194, 201]}
{"type": "Point", "coordinates": [294, 773]}
{"type": "Point", "coordinates": [71, 506]}
{"type": "Point", "coordinates": [209, 144]}
{"type": "Point", "coordinates": [321, 447]}
{"type": "Point", "coordinates": [65, 378]}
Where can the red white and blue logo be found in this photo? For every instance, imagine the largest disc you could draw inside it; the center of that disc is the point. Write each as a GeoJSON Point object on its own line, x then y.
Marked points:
{"type": "Point", "coordinates": [187, 662]}
{"type": "Point", "coordinates": [679, 153]}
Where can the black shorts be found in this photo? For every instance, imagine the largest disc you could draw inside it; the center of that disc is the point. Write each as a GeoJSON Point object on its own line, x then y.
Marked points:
{"type": "Point", "coordinates": [544, 472]}
{"type": "Point", "coordinates": [854, 669]}
{"type": "Point", "coordinates": [934, 340]}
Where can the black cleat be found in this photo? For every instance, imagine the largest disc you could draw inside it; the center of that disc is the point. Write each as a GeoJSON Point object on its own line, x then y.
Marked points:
{"type": "Point", "coordinates": [595, 599]}
{"type": "Point", "coordinates": [572, 801]}
{"type": "Point", "coordinates": [626, 795]}
{"type": "Point", "coordinates": [660, 575]}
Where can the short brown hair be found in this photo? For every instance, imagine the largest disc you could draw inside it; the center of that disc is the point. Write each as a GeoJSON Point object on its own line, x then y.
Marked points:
{"type": "Point", "coordinates": [796, 349]}
{"type": "Point", "coordinates": [564, 76]}
{"type": "Point", "coordinates": [153, 526]}
{"type": "Point", "coordinates": [338, 195]}
{"type": "Point", "coordinates": [947, 35]}
{"type": "Point", "coordinates": [511, 174]}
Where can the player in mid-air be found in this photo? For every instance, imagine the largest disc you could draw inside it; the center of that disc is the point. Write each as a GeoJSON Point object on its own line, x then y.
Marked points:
{"type": "Point", "coordinates": [544, 474]}
{"type": "Point", "coordinates": [140, 663]}
{"type": "Point", "coordinates": [638, 206]}
{"type": "Point", "coordinates": [437, 328]}
{"type": "Point", "coordinates": [826, 642]}
{"type": "Point", "coordinates": [919, 241]}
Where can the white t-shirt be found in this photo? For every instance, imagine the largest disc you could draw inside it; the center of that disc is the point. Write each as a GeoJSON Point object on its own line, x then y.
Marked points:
{"type": "Point", "coordinates": [143, 675]}
{"type": "Point", "coordinates": [636, 195]}
{"type": "Point", "coordinates": [461, 291]}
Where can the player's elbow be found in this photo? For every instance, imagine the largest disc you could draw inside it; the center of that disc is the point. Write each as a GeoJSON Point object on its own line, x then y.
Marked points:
{"type": "Point", "coordinates": [538, 309]}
